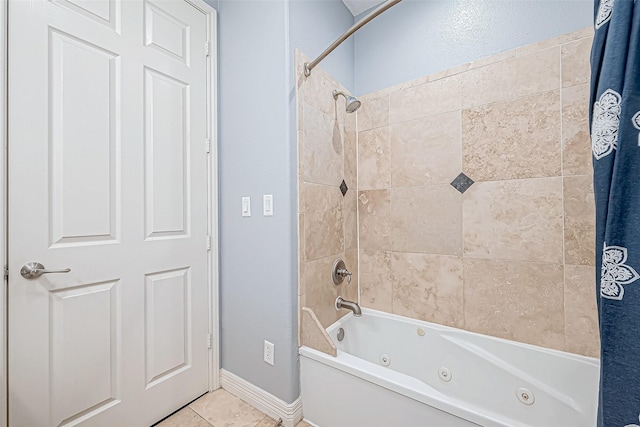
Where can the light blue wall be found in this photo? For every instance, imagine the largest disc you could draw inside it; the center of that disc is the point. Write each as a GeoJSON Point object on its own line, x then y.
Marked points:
{"type": "Point", "coordinates": [418, 37]}
{"type": "Point", "coordinates": [257, 155]}
{"type": "Point", "coordinates": [258, 290]}
{"type": "Point", "coordinates": [315, 24]}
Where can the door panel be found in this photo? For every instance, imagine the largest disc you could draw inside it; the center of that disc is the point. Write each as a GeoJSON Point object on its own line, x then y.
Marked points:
{"type": "Point", "coordinates": [167, 163]}
{"type": "Point", "coordinates": [166, 33]}
{"type": "Point", "coordinates": [84, 351]}
{"type": "Point", "coordinates": [167, 328]}
{"type": "Point", "coordinates": [106, 12]}
{"type": "Point", "coordinates": [83, 153]}
{"type": "Point", "coordinates": [108, 176]}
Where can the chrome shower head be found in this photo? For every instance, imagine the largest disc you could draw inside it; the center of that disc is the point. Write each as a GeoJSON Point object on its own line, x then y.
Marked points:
{"type": "Point", "coordinates": [352, 102]}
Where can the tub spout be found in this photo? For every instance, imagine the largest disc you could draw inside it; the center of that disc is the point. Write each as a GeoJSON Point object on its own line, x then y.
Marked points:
{"type": "Point", "coordinates": [353, 306]}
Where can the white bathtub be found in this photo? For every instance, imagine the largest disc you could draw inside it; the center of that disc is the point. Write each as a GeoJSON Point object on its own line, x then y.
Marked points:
{"type": "Point", "coordinates": [486, 375]}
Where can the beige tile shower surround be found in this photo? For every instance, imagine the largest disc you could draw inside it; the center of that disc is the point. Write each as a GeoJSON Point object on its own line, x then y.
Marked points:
{"type": "Point", "coordinates": [327, 219]}
{"type": "Point", "coordinates": [512, 256]}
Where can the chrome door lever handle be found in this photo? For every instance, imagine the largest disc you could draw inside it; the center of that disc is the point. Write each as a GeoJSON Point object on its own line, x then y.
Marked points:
{"type": "Point", "coordinates": [33, 270]}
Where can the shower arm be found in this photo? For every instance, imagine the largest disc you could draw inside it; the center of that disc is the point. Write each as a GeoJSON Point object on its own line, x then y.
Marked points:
{"type": "Point", "coordinates": [308, 66]}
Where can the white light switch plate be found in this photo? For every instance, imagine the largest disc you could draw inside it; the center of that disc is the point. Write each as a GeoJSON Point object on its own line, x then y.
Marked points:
{"type": "Point", "coordinates": [267, 204]}
{"type": "Point", "coordinates": [246, 206]}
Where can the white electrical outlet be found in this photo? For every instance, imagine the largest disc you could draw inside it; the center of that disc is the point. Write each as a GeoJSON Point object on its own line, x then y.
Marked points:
{"type": "Point", "coordinates": [268, 352]}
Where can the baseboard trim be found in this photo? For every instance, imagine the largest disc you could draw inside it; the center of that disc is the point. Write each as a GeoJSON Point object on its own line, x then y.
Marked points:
{"type": "Point", "coordinates": [291, 413]}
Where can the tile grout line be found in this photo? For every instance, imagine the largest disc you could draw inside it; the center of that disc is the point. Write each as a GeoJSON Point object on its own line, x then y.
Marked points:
{"type": "Point", "coordinates": [196, 412]}
{"type": "Point", "coordinates": [564, 270]}
{"type": "Point", "coordinates": [202, 418]}
{"type": "Point", "coordinates": [464, 316]}
{"type": "Point", "coordinates": [488, 181]}
{"type": "Point", "coordinates": [357, 190]}
{"type": "Point", "coordinates": [524, 261]}
{"type": "Point", "coordinates": [389, 265]}
{"type": "Point", "coordinates": [300, 90]}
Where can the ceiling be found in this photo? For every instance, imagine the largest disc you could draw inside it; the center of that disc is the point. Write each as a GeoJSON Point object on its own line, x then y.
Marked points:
{"type": "Point", "coordinates": [356, 7]}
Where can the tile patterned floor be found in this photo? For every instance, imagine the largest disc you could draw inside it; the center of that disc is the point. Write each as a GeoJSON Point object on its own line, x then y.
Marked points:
{"type": "Point", "coordinates": [220, 409]}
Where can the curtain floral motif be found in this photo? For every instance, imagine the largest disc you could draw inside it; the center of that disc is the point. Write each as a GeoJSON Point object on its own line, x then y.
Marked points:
{"type": "Point", "coordinates": [636, 123]}
{"type": "Point", "coordinates": [615, 126]}
{"type": "Point", "coordinates": [615, 272]}
{"type": "Point", "coordinates": [604, 13]}
{"type": "Point", "coordinates": [606, 121]}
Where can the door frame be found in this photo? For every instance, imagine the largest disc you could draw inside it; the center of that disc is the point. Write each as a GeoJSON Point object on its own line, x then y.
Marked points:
{"type": "Point", "coordinates": [212, 203]}
{"type": "Point", "coordinates": [4, 313]}
{"type": "Point", "coordinates": [212, 193]}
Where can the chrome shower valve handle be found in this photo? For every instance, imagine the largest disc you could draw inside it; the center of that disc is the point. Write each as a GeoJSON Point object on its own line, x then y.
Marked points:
{"type": "Point", "coordinates": [339, 272]}
{"type": "Point", "coordinates": [345, 273]}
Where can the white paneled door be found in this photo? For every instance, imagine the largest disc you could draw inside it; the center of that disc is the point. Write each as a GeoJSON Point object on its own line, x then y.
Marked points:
{"type": "Point", "coordinates": [107, 177]}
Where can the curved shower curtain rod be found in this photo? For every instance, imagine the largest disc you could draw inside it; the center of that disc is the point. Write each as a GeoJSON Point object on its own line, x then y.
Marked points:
{"type": "Point", "coordinates": [308, 66]}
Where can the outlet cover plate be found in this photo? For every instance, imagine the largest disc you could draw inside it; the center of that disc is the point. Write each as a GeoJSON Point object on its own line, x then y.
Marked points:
{"type": "Point", "coordinates": [268, 352]}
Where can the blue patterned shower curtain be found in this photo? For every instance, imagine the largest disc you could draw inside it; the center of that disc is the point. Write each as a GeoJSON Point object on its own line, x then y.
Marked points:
{"type": "Point", "coordinates": [615, 142]}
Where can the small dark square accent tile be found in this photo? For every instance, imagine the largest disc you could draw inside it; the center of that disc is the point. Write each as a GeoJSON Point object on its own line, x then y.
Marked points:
{"type": "Point", "coordinates": [344, 188]}
{"type": "Point", "coordinates": [462, 182]}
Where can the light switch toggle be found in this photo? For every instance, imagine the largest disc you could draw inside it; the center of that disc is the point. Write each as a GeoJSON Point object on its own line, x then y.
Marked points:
{"type": "Point", "coordinates": [267, 204]}
{"type": "Point", "coordinates": [246, 206]}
